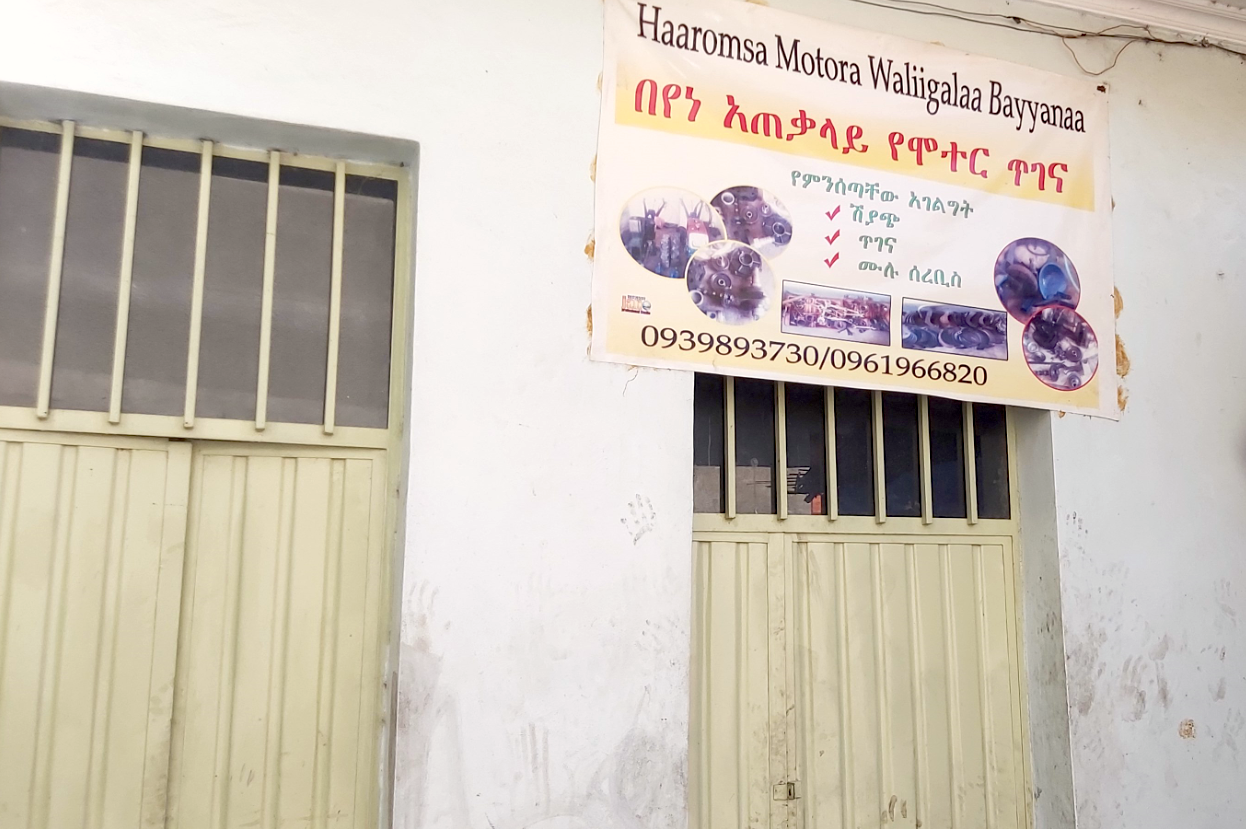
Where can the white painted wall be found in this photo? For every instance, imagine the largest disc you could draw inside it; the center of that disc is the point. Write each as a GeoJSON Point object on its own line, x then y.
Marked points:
{"type": "Point", "coordinates": [546, 602]}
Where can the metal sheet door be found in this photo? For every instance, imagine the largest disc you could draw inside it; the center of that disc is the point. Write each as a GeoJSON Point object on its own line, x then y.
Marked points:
{"type": "Point", "coordinates": [278, 706]}
{"type": "Point", "coordinates": [909, 712]}
{"type": "Point", "coordinates": [91, 539]}
{"type": "Point", "coordinates": [742, 755]}
{"type": "Point", "coordinates": [878, 676]}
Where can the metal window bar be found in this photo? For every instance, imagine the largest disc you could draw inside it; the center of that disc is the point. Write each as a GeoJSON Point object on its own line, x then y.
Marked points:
{"type": "Point", "coordinates": [832, 459]}
{"type": "Point", "coordinates": [880, 470]}
{"type": "Point", "coordinates": [335, 299]}
{"type": "Point", "coordinates": [729, 448]}
{"type": "Point", "coordinates": [971, 465]}
{"type": "Point", "coordinates": [266, 300]}
{"type": "Point", "coordinates": [121, 331]}
{"type": "Point", "coordinates": [196, 296]}
{"type": "Point", "coordinates": [56, 260]}
{"type": "Point", "coordinates": [780, 455]}
{"type": "Point", "coordinates": [923, 434]}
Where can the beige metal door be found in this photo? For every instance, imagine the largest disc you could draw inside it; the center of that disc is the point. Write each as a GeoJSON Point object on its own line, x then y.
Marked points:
{"type": "Point", "coordinates": [167, 288]}
{"type": "Point", "coordinates": [278, 707]}
{"type": "Point", "coordinates": [851, 681]}
{"type": "Point", "coordinates": [91, 538]}
{"type": "Point", "coordinates": [908, 710]}
{"type": "Point", "coordinates": [742, 755]}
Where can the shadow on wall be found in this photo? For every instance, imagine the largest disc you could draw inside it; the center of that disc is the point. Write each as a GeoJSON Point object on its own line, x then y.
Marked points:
{"type": "Point", "coordinates": [641, 783]}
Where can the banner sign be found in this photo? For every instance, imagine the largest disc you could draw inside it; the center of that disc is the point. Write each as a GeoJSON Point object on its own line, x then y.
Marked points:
{"type": "Point", "coordinates": [784, 198]}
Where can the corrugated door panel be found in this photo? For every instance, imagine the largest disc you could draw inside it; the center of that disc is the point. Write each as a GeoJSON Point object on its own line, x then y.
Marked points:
{"type": "Point", "coordinates": [824, 729]}
{"type": "Point", "coordinates": [1000, 683]}
{"type": "Point", "coordinates": [732, 711]}
{"type": "Point", "coordinates": [91, 541]}
{"type": "Point", "coordinates": [906, 698]}
{"type": "Point", "coordinates": [277, 716]}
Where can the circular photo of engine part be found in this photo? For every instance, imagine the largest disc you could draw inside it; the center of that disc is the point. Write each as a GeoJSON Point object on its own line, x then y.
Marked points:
{"type": "Point", "coordinates": [730, 282]}
{"type": "Point", "coordinates": [756, 218]}
{"type": "Point", "coordinates": [661, 229]}
{"type": "Point", "coordinates": [1061, 348]}
{"type": "Point", "coordinates": [1031, 274]}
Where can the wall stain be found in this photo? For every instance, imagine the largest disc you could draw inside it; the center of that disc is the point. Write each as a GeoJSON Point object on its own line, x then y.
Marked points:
{"type": "Point", "coordinates": [1122, 398]}
{"type": "Point", "coordinates": [592, 170]}
{"type": "Point", "coordinates": [1224, 600]}
{"type": "Point", "coordinates": [600, 75]}
{"type": "Point", "coordinates": [1122, 358]}
{"type": "Point", "coordinates": [1186, 730]}
{"type": "Point", "coordinates": [1118, 302]}
{"type": "Point", "coordinates": [636, 785]}
{"type": "Point", "coordinates": [427, 717]}
{"type": "Point", "coordinates": [641, 520]}
{"type": "Point", "coordinates": [1161, 682]}
{"type": "Point", "coordinates": [1083, 668]}
{"type": "Point", "coordinates": [1218, 692]}
{"type": "Point", "coordinates": [589, 320]}
{"type": "Point", "coordinates": [1233, 725]}
{"type": "Point", "coordinates": [1132, 692]}
{"type": "Point", "coordinates": [590, 249]}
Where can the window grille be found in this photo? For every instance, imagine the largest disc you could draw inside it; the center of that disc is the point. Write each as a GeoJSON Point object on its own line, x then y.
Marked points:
{"type": "Point", "coordinates": [786, 450]}
{"type": "Point", "coordinates": [189, 288]}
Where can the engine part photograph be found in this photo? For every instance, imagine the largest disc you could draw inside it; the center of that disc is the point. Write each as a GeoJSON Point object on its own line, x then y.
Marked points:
{"type": "Point", "coordinates": [954, 329]}
{"type": "Point", "coordinates": [755, 217]}
{"type": "Point", "coordinates": [730, 282]}
{"type": "Point", "coordinates": [1061, 348]}
{"type": "Point", "coordinates": [661, 228]}
{"type": "Point", "coordinates": [836, 313]}
{"type": "Point", "coordinates": [1032, 274]}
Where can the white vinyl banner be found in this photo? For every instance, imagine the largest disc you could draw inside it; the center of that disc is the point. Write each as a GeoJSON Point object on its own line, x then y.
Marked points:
{"type": "Point", "coordinates": [785, 198]}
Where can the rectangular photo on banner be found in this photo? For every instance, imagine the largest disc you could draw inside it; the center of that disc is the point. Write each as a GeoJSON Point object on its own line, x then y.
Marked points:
{"type": "Point", "coordinates": [835, 313]}
{"type": "Point", "coordinates": [954, 329]}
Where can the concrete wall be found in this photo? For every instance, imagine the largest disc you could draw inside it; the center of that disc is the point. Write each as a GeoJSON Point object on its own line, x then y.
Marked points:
{"type": "Point", "coordinates": [545, 607]}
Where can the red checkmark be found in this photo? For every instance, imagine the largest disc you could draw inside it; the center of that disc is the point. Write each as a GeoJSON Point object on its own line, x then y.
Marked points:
{"type": "Point", "coordinates": [832, 260]}
{"type": "Point", "coordinates": [832, 216]}
{"type": "Point", "coordinates": [830, 240]}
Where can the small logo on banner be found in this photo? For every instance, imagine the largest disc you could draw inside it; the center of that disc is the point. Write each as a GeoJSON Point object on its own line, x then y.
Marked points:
{"type": "Point", "coordinates": [636, 305]}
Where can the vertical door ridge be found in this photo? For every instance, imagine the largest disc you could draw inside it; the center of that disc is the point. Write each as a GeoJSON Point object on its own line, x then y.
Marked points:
{"type": "Point", "coordinates": [106, 639]}
{"type": "Point", "coordinates": [53, 627]}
